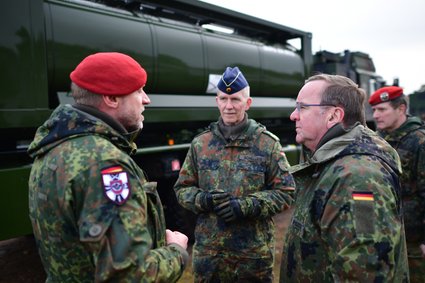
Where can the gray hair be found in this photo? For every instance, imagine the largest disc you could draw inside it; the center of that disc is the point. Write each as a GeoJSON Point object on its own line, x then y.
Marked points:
{"type": "Point", "coordinates": [85, 97]}
{"type": "Point", "coordinates": [246, 92]}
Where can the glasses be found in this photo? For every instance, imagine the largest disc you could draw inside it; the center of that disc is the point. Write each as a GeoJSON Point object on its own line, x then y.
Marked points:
{"type": "Point", "coordinates": [300, 105]}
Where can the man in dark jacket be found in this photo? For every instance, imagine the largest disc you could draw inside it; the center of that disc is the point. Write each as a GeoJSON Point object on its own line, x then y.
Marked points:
{"type": "Point", "coordinates": [407, 135]}
{"type": "Point", "coordinates": [95, 217]}
{"type": "Point", "coordinates": [347, 224]}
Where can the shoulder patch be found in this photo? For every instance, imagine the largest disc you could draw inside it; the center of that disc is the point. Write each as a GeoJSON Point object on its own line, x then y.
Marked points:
{"type": "Point", "coordinates": [270, 134]}
{"type": "Point", "coordinates": [364, 212]}
{"type": "Point", "coordinates": [116, 185]}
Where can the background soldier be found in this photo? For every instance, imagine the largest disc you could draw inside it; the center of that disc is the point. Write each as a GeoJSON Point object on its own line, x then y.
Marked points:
{"type": "Point", "coordinates": [407, 135]}
{"type": "Point", "coordinates": [346, 225]}
{"type": "Point", "coordinates": [94, 215]}
{"type": "Point", "coordinates": [235, 177]}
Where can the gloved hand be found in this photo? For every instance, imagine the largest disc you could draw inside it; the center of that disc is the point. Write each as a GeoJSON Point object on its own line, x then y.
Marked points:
{"type": "Point", "coordinates": [237, 208]}
{"type": "Point", "coordinates": [206, 201]}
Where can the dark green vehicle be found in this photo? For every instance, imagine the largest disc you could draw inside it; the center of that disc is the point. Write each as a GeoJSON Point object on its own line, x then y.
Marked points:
{"type": "Point", "coordinates": [184, 45]}
{"type": "Point", "coordinates": [43, 41]}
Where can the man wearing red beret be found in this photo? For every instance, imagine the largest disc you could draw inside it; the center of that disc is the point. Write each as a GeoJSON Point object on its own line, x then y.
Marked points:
{"type": "Point", "coordinates": [407, 135]}
{"type": "Point", "coordinates": [95, 217]}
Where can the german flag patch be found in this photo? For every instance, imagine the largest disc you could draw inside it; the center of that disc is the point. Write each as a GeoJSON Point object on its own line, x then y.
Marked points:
{"type": "Point", "coordinates": [116, 185]}
{"type": "Point", "coordinates": [364, 196]}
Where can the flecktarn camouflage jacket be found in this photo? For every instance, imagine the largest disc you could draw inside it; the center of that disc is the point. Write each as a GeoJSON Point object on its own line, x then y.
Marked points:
{"type": "Point", "coordinates": [347, 224]}
{"type": "Point", "coordinates": [254, 166]}
{"type": "Point", "coordinates": [95, 217]}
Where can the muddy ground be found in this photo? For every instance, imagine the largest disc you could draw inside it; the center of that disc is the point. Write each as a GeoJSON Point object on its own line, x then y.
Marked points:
{"type": "Point", "coordinates": [20, 263]}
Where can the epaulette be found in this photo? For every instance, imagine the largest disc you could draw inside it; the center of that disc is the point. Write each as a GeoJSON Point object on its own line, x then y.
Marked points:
{"type": "Point", "coordinates": [270, 134]}
{"type": "Point", "coordinates": [265, 131]}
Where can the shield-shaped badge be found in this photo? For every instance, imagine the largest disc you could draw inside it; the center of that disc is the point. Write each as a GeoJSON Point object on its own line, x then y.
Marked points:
{"type": "Point", "coordinates": [116, 184]}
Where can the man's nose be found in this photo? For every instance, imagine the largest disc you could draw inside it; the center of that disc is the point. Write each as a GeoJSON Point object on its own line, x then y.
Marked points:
{"type": "Point", "coordinates": [146, 100]}
{"type": "Point", "coordinates": [229, 104]}
{"type": "Point", "coordinates": [294, 115]}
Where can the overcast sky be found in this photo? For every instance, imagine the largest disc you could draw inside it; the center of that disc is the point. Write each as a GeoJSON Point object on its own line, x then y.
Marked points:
{"type": "Point", "coordinates": [392, 32]}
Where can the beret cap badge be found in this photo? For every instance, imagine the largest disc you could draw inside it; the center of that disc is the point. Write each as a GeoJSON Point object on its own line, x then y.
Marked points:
{"type": "Point", "coordinates": [384, 96]}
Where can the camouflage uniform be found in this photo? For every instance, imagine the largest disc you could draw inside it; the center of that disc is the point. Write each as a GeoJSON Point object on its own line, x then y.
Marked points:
{"type": "Point", "coordinates": [81, 234]}
{"type": "Point", "coordinates": [409, 141]}
{"type": "Point", "coordinates": [253, 166]}
{"type": "Point", "coordinates": [347, 224]}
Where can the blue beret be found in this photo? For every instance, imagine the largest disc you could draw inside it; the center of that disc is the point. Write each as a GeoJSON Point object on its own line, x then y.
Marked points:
{"type": "Point", "coordinates": [232, 81]}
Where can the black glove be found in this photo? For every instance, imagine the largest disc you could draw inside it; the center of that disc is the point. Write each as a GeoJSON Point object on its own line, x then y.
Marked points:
{"type": "Point", "coordinates": [237, 208]}
{"type": "Point", "coordinates": [206, 201]}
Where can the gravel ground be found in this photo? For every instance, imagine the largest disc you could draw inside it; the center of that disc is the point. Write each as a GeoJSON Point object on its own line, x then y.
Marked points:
{"type": "Point", "coordinates": [19, 261]}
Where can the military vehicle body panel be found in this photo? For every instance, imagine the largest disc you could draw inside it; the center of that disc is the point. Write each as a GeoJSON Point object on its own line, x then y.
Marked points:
{"type": "Point", "coordinates": [43, 41]}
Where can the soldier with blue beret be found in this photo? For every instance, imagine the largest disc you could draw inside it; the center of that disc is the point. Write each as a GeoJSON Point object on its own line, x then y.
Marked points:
{"type": "Point", "coordinates": [407, 135]}
{"type": "Point", "coordinates": [235, 178]}
{"type": "Point", "coordinates": [94, 215]}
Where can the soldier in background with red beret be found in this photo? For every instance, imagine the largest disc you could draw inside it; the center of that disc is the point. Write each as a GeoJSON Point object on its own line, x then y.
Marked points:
{"type": "Point", "coordinates": [95, 217]}
{"type": "Point", "coordinates": [407, 135]}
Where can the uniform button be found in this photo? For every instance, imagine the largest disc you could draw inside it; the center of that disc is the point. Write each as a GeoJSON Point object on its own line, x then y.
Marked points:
{"type": "Point", "coordinates": [95, 230]}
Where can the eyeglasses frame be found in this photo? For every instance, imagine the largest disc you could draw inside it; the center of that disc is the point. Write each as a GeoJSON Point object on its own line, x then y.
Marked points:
{"type": "Point", "coordinates": [298, 105]}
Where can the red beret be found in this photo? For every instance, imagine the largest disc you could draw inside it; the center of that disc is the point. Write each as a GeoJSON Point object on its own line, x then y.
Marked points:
{"type": "Point", "coordinates": [109, 73]}
{"type": "Point", "coordinates": [385, 94]}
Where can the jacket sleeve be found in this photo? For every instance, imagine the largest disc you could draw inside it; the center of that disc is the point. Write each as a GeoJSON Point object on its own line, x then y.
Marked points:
{"type": "Point", "coordinates": [360, 223]}
{"type": "Point", "coordinates": [420, 175]}
{"type": "Point", "coordinates": [126, 242]}
{"type": "Point", "coordinates": [279, 186]}
{"type": "Point", "coordinates": [187, 185]}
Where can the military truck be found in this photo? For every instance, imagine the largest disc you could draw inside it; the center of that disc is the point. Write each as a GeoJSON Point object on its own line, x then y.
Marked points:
{"type": "Point", "coordinates": [184, 45]}
{"type": "Point", "coordinates": [417, 103]}
{"type": "Point", "coordinates": [357, 66]}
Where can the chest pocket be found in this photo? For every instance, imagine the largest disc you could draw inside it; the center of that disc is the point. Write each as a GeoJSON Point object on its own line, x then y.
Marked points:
{"type": "Point", "coordinates": [208, 164]}
{"type": "Point", "coordinates": [256, 164]}
{"type": "Point", "coordinates": [250, 173]}
{"type": "Point", "coordinates": [208, 173]}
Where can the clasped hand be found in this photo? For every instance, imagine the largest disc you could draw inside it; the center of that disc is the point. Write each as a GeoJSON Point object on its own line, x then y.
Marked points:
{"type": "Point", "coordinates": [226, 206]}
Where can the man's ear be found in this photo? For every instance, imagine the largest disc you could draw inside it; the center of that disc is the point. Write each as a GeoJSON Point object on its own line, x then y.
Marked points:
{"type": "Point", "coordinates": [248, 103]}
{"type": "Point", "coordinates": [335, 117]}
{"type": "Point", "coordinates": [403, 108]}
{"type": "Point", "coordinates": [110, 101]}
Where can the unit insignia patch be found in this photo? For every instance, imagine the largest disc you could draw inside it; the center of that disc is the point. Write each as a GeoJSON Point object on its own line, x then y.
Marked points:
{"type": "Point", "coordinates": [116, 184]}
